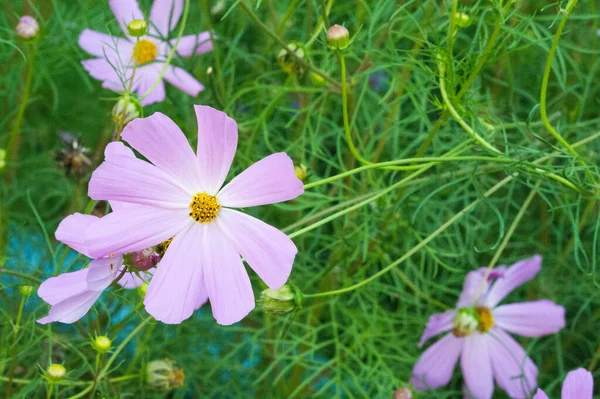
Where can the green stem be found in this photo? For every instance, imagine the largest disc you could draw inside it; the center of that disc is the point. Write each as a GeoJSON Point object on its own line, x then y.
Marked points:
{"type": "Point", "coordinates": [22, 275]}
{"type": "Point", "coordinates": [11, 368]}
{"type": "Point", "coordinates": [120, 347]}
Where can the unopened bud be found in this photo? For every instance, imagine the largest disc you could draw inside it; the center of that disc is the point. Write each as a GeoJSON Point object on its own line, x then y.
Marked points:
{"type": "Point", "coordinates": [281, 301]}
{"type": "Point", "coordinates": [462, 20]}
{"type": "Point", "coordinates": [162, 375]}
{"type": "Point", "coordinates": [26, 290]}
{"type": "Point", "coordinates": [137, 28]}
{"type": "Point", "coordinates": [300, 171]}
{"type": "Point", "coordinates": [102, 344]}
{"type": "Point", "coordinates": [56, 372]}
{"type": "Point", "coordinates": [27, 27]}
{"type": "Point", "coordinates": [317, 79]}
{"type": "Point", "coordinates": [2, 158]}
{"type": "Point", "coordinates": [338, 37]}
{"type": "Point", "coordinates": [288, 62]}
{"type": "Point", "coordinates": [465, 322]}
{"type": "Point", "coordinates": [126, 110]}
{"type": "Point", "coordinates": [209, 71]}
{"type": "Point", "coordinates": [144, 260]}
{"type": "Point", "coordinates": [402, 393]}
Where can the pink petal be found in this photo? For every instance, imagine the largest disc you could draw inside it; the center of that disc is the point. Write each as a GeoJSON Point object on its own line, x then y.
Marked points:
{"type": "Point", "coordinates": [132, 280]}
{"type": "Point", "coordinates": [268, 251]}
{"type": "Point", "coordinates": [165, 15]}
{"type": "Point", "coordinates": [112, 76]}
{"type": "Point", "coordinates": [194, 44]}
{"type": "Point", "coordinates": [268, 181]}
{"type": "Point", "coordinates": [217, 141]}
{"type": "Point", "coordinates": [161, 141]}
{"type": "Point", "coordinates": [61, 287]}
{"type": "Point", "coordinates": [125, 11]}
{"type": "Point", "coordinates": [473, 286]}
{"type": "Point", "coordinates": [135, 229]}
{"type": "Point", "coordinates": [71, 231]}
{"type": "Point", "coordinates": [177, 286]}
{"type": "Point", "coordinates": [436, 365]}
{"type": "Point", "coordinates": [225, 278]}
{"type": "Point", "coordinates": [437, 324]}
{"type": "Point", "coordinates": [145, 77]}
{"type": "Point", "coordinates": [531, 319]}
{"type": "Point", "coordinates": [73, 308]}
{"type": "Point", "coordinates": [183, 80]}
{"type": "Point", "coordinates": [514, 371]}
{"type": "Point", "coordinates": [114, 49]}
{"type": "Point", "coordinates": [116, 149]}
{"type": "Point", "coordinates": [102, 272]}
{"type": "Point", "coordinates": [477, 366]}
{"type": "Point", "coordinates": [127, 179]}
{"type": "Point", "coordinates": [540, 395]}
{"type": "Point", "coordinates": [515, 275]}
{"type": "Point", "coordinates": [579, 384]}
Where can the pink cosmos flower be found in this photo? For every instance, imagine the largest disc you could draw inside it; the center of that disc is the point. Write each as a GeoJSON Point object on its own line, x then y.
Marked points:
{"type": "Point", "coordinates": [28, 27]}
{"type": "Point", "coordinates": [179, 195]}
{"type": "Point", "coordinates": [71, 295]}
{"type": "Point", "coordinates": [579, 384]}
{"type": "Point", "coordinates": [479, 335]}
{"type": "Point", "coordinates": [117, 56]}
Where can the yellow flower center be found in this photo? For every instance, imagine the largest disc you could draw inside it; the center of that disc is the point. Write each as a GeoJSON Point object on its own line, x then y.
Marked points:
{"type": "Point", "coordinates": [144, 51]}
{"type": "Point", "coordinates": [204, 208]}
{"type": "Point", "coordinates": [163, 246]}
{"type": "Point", "coordinates": [486, 319]}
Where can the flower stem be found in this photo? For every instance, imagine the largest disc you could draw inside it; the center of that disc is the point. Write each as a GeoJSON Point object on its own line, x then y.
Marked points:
{"type": "Point", "coordinates": [11, 368]}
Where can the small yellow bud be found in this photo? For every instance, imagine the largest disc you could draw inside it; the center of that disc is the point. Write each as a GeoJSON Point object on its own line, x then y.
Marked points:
{"type": "Point", "coordinates": [338, 37]}
{"type": "Point", "coordinates": [137, 28]}
{"type": "Point", "coordinates": [462, 20]}
{"type": "Point", "coordinates": [2, 158]}
{"type": "Point", "coordinates": [163, 376]}
{"type": "Point", "coordinates": [126, 110]}
{"type": "Point", "coordinates": [300, 171]}
{"type": "Point", "coordinates": [26, 290]}
{"type": "Point", "coordinates": [209, 71]}
{"type": "Point", "coordinates": [317, 79]}
{"type": "Point", "coordinates": [142, 289]}
{"type": "Point", "coordinates": [102, 344]}
{"type": "Point", "coordinates": [56, 372]}
{"type": "Point", "coordinates": [289, 63]}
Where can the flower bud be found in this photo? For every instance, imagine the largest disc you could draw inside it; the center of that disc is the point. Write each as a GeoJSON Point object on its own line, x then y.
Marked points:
{"type": "Point", "coordinates": [102, 344]}
{"type": "Point", "coordinates": [338, 37]}
{"type": "Point", "coordinates": [402, 393]}
{"type": "Point", "coordinates": [209, 71]}
{"type": "Point", "coordinates": [465, 322]}
{"type": "Point", "coordinates": [462, 20]}
{"type": "Point", "coordinates": [137, 28]}
{"type": "Point", "coordinates": [26, 290]}
{"type": "Point", "coordinates": [144, 260]}
{"type": "Point", "coordinates": [2, 158]}
{"type": "Point", "coordinates": [289, 63]}
{"type": "Point", "coordinates": [126, 110]}
{"type": "Point", "coordinates": [317, 79]}
{"type": "Point", "coordinates": [300, 171]}
{"type": "Point", "coordinates": [27, 27]}
{"type": "Point", "coordinates": [281, 301]}
{"type": "Point", "coordinates": [142, 289]}
{"type": "Point", "coordinates": [56, 372]}
{"type": "Point", "coordinates": [162, 375]}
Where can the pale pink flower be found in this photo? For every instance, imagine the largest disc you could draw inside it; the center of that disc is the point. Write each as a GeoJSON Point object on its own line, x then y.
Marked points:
{"type": "Point", "coordinates": [117, 56]}
{"type": "Point", "coordinates": [579, 384]}
{"type": "Point", "coordinates": [178, 195]}
{"type": "Point", "coordinates": [71, 295]}
{"type": "Point", "coordinates": [479, 335]}
{"type": "Point", "coordinates": [27, 27]}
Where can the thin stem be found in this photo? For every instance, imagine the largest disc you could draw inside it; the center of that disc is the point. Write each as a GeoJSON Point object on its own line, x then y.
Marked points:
{"type": "Point", "coordinates": [22, 275]}
{"type": "Point", "coordinates": [120, 347]}
{"type": "Point", "coordinates": [11, 368]}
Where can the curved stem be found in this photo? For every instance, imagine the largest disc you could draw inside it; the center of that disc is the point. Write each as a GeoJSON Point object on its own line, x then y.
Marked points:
{"type": "Point", "coordinates": [113, 357]}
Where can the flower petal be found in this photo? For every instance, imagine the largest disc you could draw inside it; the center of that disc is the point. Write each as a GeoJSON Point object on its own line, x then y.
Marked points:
{"type": "Point", "coordinates": [225, 278]}
{"type": "Point", "coordinates": [477, 366]}
{"type": "Point", "coordinates": [268, 181]}
{"type": "Point", "coordinates": [134, 229]}
{"type": "Point", "coordinates": [531, 319]}
{"type": "Point", "coordinates": [579, 384]}
{"type": "Point", "coordinates": [177, 285]}
{"type": "Point", "coordinates": [194, 44]}
{"type": "Point", "coordinates": [165, 15]}
{"type": "Point", "coordinates": [73, 308]}
{"type": "Point", "coordinates": [102, 272]}
{"type": "Point", "coordinates": [117, 50]}
{"type": "Point", "coordinates": [217, 141]}
{"type": "Point", "coordinates": [514, 371]}
{"type": "Point", "coordinates": [472, 286]}
{"type": "Point", "coordinates": [161, 141]}
{"type": "Point", "coordinates": [540, 395]}
{"type": "Point", "coordinates": [268, 251]}
{"type": "Point", "coordinates": [63, 286]}
{"type": "Point", "coordinates": [127, 179]}
{"type": "Point", "coordinates": [112, 76]}
{"type": "Point", "coordinates": [146, 76]}
{"type": "Point", "coordinates": [515, 275]}
{"type": "Point", "coordinates": [181, 79]}
{"type": "Point", "coordinates": [437, 324]}
{"type": "Point", "coordinates": [71, 231]}
{"type": "Point", "coordinates": [125, 11]}
{"type": "Point", "coordinates": [436, 365]}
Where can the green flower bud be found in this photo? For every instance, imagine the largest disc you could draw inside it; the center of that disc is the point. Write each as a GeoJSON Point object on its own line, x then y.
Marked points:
{"type": "Point", "coordinates": [317, 79]}
{"type": "Point", "coordinates": [163, 376]}
{"type": "Point", "coordinates": [137, 28]}
{"type": "Point", "coordinates": [102, 344]}
{"type": "Point", "coordinates": [26, 290]}
{"type": "Point", "coordinates": [300, 171]}
{"type": "Point", "coordinates": [126, 110]}
{"type": "Point", "coordinates": [281, 301]}
{"type": "Point", "coordinates": [288, 62]}
{"type": "Point", "coordinates": [56, 372]}
{"type": "Point", "coordinates": [142, 289]}
{"type": "Point", "coordinates": [465, 322]}
{"type": "Point", "coordinates": [462, 20]}
{"type": "Point", "coordinates": [2, 158]}
{"type": "Point", "coordinates": [338, 37]}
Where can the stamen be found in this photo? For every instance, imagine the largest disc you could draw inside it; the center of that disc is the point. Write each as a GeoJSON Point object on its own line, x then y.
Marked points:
{"type": "Point", "coordinates": [162, 247]}
{"type": "Point", "coordinates": [144, 51]}
{"type": "Point", "coordinates": [204, 208]}
{"type": "Point", "coordinates": [486, 319]}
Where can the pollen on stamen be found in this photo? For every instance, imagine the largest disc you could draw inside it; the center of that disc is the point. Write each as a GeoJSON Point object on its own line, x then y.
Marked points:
{"type": "Point", "coordinates": [144, 51]}
{"type": "Point", "coordinates": [204, 208]}
{"type": "Point", "coordinates": [486, 319]}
